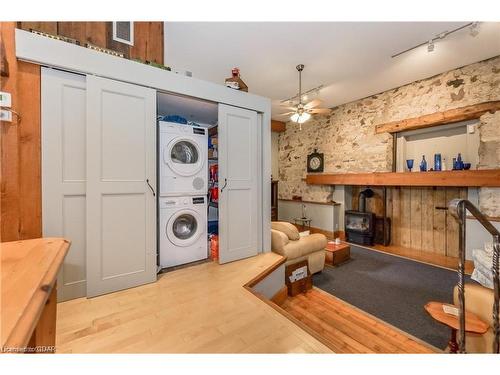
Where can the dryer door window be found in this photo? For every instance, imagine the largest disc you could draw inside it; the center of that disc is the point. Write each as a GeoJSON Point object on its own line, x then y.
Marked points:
{"type": "Point", "coordinates": [184, 228]}
{"type": "Point", "coordinates": [184, 152]}
{"type": "Point", "coordinates": [183, 157]}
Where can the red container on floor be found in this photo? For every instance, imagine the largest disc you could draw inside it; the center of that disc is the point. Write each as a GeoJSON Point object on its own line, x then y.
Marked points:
{"type": "Point", "coordinates": [214, 247]}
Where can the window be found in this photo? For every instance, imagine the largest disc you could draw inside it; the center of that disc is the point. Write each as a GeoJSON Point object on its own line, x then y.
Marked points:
{"type": "Point", "coordinates": [123, 32]}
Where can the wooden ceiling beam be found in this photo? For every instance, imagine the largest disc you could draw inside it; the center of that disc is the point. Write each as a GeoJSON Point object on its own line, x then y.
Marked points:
{"type": "Point", "coordinates": [278, 126]}
{"type": "Point", "coordinates": [469, 112]}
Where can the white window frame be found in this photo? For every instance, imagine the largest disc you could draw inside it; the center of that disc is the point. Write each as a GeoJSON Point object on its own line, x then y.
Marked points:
{"type": "Point", "coordinates": [118, 39]}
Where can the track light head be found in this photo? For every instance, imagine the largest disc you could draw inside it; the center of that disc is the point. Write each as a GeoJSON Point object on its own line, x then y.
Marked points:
{"type": "Point", "coordinates": [474, 29]}
{"type": "Point", "coordinates": [430, 46]}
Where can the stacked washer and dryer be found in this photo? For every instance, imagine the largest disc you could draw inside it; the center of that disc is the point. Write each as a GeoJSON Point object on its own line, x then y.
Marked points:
{"type": "Point", "coordinates": [183, 184]}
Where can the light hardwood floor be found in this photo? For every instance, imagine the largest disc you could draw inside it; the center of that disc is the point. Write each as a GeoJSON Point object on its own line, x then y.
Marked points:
{"type": "Point", "coordinates": [200, 309]}
{"type": "Point", "coordinates": [346, 329]}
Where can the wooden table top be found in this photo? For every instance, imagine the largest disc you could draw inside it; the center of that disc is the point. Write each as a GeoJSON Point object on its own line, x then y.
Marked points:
{"type": "Point", "coordinates": [472, 322]}
{"type": "Point", "coordinates": [332, 246]}
{"type": "Point", "coordinates": [29, 271]}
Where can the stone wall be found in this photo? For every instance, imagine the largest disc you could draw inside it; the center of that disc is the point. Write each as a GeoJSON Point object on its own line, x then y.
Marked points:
{"type": "Point", "coordinates": [348, 140]}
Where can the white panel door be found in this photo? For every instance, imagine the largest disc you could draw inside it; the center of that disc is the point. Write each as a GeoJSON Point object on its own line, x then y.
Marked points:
{"type": "Point", "coordinates": [238, 189]}
{"type": "Point", "coordinates": [64, 173]}
{"type": "Point", "coordinates": [121, 174]}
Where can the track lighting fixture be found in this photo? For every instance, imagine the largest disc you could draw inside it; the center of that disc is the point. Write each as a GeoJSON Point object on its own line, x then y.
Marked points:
{"type": "Point", "coordinates": [430, 46]}
{"type": "Point", "coordinates": [473, 31]}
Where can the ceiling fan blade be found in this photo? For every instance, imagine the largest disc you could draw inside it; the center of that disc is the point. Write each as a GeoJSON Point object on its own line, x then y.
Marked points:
{"type": "Point", "coordinates": [291, 108]}
{"type": "Point", "coordinates": [322, 111]}
{"type": "Point", "coordinates": [286, 113]}
{"type": "Point", "coordinates": [313, 103]}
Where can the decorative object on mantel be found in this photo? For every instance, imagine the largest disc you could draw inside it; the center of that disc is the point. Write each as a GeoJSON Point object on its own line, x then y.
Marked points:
{"type": "Point", "coordinates": [437, 162]}
{"type": "Point", "coordinates": [423, 164]}
{"type": "Point", "coordinates": [409, 164]}
{"type": "Point", "coordinates": [235, 82]}
{"type": "Point", "coordinates": [315, 162]}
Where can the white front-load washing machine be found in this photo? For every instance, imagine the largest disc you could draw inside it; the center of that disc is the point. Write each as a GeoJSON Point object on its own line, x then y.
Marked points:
{"type": "Point", "coordinates": [183, 159]}
{"type": "Point", "coordinates": [183, 230]}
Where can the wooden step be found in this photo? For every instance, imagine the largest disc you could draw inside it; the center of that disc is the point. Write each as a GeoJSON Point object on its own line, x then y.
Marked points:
{"type": "Point", "coordinates": [347, 329]}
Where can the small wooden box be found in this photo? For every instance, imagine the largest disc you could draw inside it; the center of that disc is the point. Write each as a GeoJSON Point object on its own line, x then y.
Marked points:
{"type": "Point", "coordinates": [299, 286]}
{"type": "Point", "coordinates": [336, 254]}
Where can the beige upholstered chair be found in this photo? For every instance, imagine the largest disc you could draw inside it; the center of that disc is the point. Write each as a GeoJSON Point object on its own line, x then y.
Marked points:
{"type": "Point", "coordinates": [479, 301]}
{"type": "Point", "coordinates": [286, 241]}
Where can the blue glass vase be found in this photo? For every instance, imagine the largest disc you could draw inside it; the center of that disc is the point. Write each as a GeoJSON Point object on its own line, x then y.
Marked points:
{"type": "Point", "coordinates": [409, 164]}
{"type": "Point", "coordinates": [423, 164]}
{"type": "Point", "coordinates": [437, 162]}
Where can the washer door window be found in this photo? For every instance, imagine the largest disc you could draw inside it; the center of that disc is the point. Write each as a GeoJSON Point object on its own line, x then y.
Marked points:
{"type": "Point", "coordinates": [183, 156]}
{"type": "Point", "coordinates": [184, 228]}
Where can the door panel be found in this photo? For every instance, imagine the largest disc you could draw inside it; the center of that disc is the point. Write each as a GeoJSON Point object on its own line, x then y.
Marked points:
{"type": "Point", "coordinates": [64, 173]}
{"type": "Point", "coordinates": [121, 156]}
{"type": "Point", "coordinates": [238, 171]}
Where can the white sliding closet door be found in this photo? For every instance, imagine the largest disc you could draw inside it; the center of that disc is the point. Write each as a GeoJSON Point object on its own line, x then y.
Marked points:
{"type": "Point", "coordinates": [121, 174]}
{"type": "Point", "coordinates": [239, 225]}
{"type": "Point", "coordinates": [63, 173]}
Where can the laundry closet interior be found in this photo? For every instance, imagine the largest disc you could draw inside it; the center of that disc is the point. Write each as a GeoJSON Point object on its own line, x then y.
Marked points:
{"type": "Point", "coordinates": [140, 165]}
{"type": "Point", "coordinates": [188, 186]}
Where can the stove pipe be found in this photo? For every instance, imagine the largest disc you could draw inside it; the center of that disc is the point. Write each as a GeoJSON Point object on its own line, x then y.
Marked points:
{"type": "Point", "coordinates": [363, 194]}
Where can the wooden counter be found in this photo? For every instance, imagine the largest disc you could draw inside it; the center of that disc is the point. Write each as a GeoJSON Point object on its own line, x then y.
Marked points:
{"type": "Point", "coordinates": [473, 178]}
{"type": "Point", "coordinates": [28, 293]}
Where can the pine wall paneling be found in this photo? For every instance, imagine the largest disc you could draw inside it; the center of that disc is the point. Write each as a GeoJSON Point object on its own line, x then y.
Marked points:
{"type": "Point", "coordinates": [417, 219]}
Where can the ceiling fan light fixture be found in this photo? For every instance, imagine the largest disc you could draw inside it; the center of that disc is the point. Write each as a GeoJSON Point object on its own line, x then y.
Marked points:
{"type": "Point", "coordinates": [300, 118]}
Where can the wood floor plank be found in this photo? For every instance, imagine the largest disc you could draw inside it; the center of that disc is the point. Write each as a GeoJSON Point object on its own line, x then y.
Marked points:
{"type": "Point", "coordinates": [199, 309]}
{"type": "Point", "coordinates": [347, 329]}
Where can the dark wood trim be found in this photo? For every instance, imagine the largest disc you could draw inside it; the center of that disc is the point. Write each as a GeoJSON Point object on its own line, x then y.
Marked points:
{"type": "Point", "coordinates": [449, 116]}
{"type": "Point", "coordinates": [261, 276]}
{"type": "Point", "coordinates": [278, 126]}
{"type": "Point", "coordinates": [313, 202]}
{"type": "Point", "coordinates": [476, 178]}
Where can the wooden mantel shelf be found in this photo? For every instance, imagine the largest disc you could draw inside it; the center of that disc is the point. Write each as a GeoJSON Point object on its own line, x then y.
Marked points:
{"type": "Point", "coordinates": [475, 178]}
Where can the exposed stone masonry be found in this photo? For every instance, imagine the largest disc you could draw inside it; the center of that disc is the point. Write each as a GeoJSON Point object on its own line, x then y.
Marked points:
{"type": "Point", "coordinates": [348, 140]}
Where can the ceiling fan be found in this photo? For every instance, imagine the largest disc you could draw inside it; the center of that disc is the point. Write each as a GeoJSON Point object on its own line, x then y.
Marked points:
{"type": "Point", "coordinates": [302, 112]}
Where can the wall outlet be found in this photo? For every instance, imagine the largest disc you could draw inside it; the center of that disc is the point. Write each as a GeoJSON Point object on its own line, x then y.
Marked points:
{"type": "Point", "coordinates": [471, 129]}
{"type": "Point", "coordinates": [5, 115]}
{"type": "Point", "coordinates": [5, 99]}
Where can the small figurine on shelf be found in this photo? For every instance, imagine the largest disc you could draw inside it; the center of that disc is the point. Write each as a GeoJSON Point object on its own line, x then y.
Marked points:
{"type": "Point", "coordinates": [423, 164]}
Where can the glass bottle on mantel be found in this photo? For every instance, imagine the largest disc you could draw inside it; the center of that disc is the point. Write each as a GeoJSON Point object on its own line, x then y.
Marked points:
{"type": "Point", "coordinates": [423, 164]}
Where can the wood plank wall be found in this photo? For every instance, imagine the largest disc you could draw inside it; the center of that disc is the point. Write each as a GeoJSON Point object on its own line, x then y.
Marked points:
{"type": "Point", "coordinates": [20, 154]}
{"type": "Point", "coordinates": [148, 36]}
{"type": "Point", "coordinates": [417, 222]}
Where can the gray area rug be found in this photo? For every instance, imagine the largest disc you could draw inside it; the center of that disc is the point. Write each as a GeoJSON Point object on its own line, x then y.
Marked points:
{"type": "Point", "coordinates": [393, 289]}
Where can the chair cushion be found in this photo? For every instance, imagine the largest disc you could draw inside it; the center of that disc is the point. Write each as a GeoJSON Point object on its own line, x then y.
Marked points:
{"type": "Point", "coordinates": [289, 229]}
{"type": "Point", "coordinates": [305, 246]}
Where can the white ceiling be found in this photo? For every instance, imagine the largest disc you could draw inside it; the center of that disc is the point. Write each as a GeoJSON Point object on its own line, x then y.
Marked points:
{"type": "Point", "coordinates": [352, 59]}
